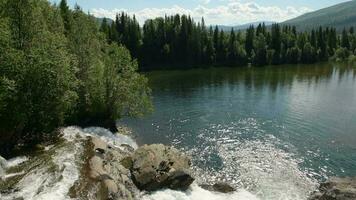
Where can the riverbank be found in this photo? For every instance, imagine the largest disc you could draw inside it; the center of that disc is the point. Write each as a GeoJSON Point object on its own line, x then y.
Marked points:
{"type": "Point", "coordinates": [94, 163]}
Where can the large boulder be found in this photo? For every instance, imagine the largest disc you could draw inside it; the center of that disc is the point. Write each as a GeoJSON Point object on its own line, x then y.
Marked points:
{"type": "Point", "coordinates": [336, 189]}
{"type": "Point", "coordinates": [155, 167]}
{"type": "Point", "coordinates": [104, 175]}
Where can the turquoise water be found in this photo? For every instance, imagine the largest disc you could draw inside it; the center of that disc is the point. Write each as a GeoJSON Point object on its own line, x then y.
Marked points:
{"type": "Point", "coordinates": [263, 129]}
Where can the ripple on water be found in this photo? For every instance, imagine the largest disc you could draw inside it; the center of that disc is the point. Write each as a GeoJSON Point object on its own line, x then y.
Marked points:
{"type": "Point", "coordinates": [245, 156]}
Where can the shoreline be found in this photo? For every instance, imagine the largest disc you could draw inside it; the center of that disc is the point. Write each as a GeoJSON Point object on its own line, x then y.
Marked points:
{"type": "Point", "coordinates": [103, 171]}
{"type": "Point", "coordinates": [176, 67]}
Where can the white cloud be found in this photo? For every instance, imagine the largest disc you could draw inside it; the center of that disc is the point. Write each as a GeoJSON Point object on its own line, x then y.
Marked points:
{"type": "Point", "coordinates": [231, 12]}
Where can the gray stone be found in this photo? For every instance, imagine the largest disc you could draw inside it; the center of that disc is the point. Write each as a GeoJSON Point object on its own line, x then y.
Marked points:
{"type": "Point", "coordinates": [336, 189]}
{"type": "Point", "coordinates": [157, 167]}
{"type": "Point", "coordinates": [105, 168]}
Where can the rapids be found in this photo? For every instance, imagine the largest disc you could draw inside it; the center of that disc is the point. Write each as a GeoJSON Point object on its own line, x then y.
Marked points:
{"type": "Point", "coordinates": [50, 175]}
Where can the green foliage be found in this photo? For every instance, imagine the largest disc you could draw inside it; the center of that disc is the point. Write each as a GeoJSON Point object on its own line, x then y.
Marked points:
{"type": "Point", "coordinates": [261, 51]}
{"type": "Point", "coordinates": [179, 42]}
{"type": "Point", "coordinates": [293, 55]}
{"type": "Point", "coordinates": [250, 34]}
{"type": "Point", "coordinates": [309, 54]}
{"type": "Point", "coordinates": [345, 42]}
{"type": "Point", "coordinates": [342, 54]}
{"type": "Point", "coordinates": [56, 68]}
{"type": "Point", "coordinates": [66, 15]}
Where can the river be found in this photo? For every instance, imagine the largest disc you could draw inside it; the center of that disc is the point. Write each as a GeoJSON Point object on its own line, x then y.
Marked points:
{"type": "Point", "coordinates": [275, 131]}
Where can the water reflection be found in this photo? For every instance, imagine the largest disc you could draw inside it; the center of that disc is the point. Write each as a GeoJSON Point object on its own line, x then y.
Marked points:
{"type": "Point", "coordinates": [256, 126]}
{"type": "Point", "coordinates": [185, 82]}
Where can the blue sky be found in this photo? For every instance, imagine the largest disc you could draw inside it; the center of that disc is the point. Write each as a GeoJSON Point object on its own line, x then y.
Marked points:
{"type": "Point", "coordinates": [214, 11]}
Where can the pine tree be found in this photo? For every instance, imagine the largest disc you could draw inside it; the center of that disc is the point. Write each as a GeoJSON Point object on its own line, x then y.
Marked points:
{"type": "Point", "coordinates": [66, 15]}
{"type": "Point", "coordinates": [250, 33]}
{"type": "Point", "coordinates": [332, 41]}
{"type": "Point", "coordinates": [261, 51]}
{"type": "Point", "coordinates": [276, 43]}
{"type": "Point", "coordinates": [322, 45]}
{"type": "Point", "coordinates": [232, 48]}
{"type": "Point", "coordinates": [345, 42]}
{"type": "Point", "coordinates": [104, 27]}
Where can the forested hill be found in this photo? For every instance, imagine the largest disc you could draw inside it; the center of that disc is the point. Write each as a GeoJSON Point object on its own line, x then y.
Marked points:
{"type": "Point", "coordinates": [338, 16]}
{"type": "Point", "coordinates": [244, 26]}
{"type": "Point", "coordinates": [180, 42]}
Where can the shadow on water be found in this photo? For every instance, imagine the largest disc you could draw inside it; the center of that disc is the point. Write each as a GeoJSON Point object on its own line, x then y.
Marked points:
{"type": "Point", "coordinates": [184, 82]}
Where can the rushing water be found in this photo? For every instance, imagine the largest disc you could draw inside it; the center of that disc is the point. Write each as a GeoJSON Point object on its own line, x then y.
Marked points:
{"type": "Point", "coordinates": [273, 131]}
{"type": "Point", "coordinates": [50, 174]}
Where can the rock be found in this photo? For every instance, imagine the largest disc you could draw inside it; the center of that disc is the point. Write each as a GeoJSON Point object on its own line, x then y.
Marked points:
{"type": "Point", "coordinates": [127, 147]}
{"type": "Point", "coordinates": [106, 167]}
{"type": "Point", "coordinates": [336, 189]}
{"type": "Point", "coordinates": [157, 167]}
{"type": "Point", "coordinates": [110, 188]}
{"type": "Point", "coordinates": [127, 162]}
{"type": "Point", "coordinates": [100, 151]}
{"type": "Point", "coordinates": [219, 187]}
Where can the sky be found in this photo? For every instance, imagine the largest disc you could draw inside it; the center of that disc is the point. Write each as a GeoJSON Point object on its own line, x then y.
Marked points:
{"type": "Point", "coordinates": [222, 12]}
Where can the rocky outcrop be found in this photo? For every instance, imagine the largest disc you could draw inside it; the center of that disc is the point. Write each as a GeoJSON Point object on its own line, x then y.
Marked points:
{"type": "Point", "coordinates": [155, 167]}
{"type": "Point", "coordinates": [219, 187]}
{"type": "Point", "coordinates": [106, 168]}
{"type": "Point", "coordinates": [336, 189]}
{"type": "Point", "coordinates": [95, 164]}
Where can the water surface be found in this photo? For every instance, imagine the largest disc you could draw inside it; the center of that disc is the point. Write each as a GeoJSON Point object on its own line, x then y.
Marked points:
{"type": "Point", "coordinates": [274, 131]}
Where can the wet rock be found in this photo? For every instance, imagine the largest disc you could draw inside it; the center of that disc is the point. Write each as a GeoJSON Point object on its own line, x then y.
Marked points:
{"type": "Point", "coordinates": [336, 189]}
{"type": "Point", "coordinates": [100, 151]}
{"type": "Point", "coordinates": [219, 187]}
{"type": "Point", "coordinates": [156, 167]}
{"type": "Point", "coordinates": [110, 189]}
{"type": "Point", "coordinates": [106, 168]}
{"type": "Point", "coordinates": [128, 148]}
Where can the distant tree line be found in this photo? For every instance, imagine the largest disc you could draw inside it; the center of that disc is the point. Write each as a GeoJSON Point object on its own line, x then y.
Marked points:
{"type": "Point", "coordinates": [179, 42]}
{"type": "Point", "coordinates": [56, 69]}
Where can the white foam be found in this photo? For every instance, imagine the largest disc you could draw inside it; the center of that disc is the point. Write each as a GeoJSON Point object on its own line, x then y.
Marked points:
{"type": "Point", "coordinates": [49, 182]}
{"type": "Point", "coordinates": [13, 175]}
{"type": "Point", "coordinates": [197, 193]}
{"type": "Point", "coordinates": [16, 161]}
{"type": "Point", "coordinates": [112, 139]}
{"type": "Point", "coordinates": [46, 181]}
{"type": "Point", "coordinates": [3, 165]}
{"type": "Point", "coordinates": [70, 173]}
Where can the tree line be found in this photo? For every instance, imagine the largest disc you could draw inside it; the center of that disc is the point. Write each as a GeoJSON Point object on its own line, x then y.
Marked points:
{"type": "Point", "coordinates": [56, 69]}
{"type": "Point", "coordinates": [179, 42]}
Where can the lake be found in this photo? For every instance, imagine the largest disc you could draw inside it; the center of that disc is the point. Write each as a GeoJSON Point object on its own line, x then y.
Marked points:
{"type": "Point", "coordinates": [275, 131]}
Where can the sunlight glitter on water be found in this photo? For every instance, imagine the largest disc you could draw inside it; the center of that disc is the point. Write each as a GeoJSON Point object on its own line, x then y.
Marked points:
{"type": "Point", "coordinates": [258, 164]}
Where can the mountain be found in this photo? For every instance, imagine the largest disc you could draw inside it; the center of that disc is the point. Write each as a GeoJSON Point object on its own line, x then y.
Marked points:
{"type": "Point", "coordinates": [339, 16]}
{"type": "Point", "coordinates": [244, 26]}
